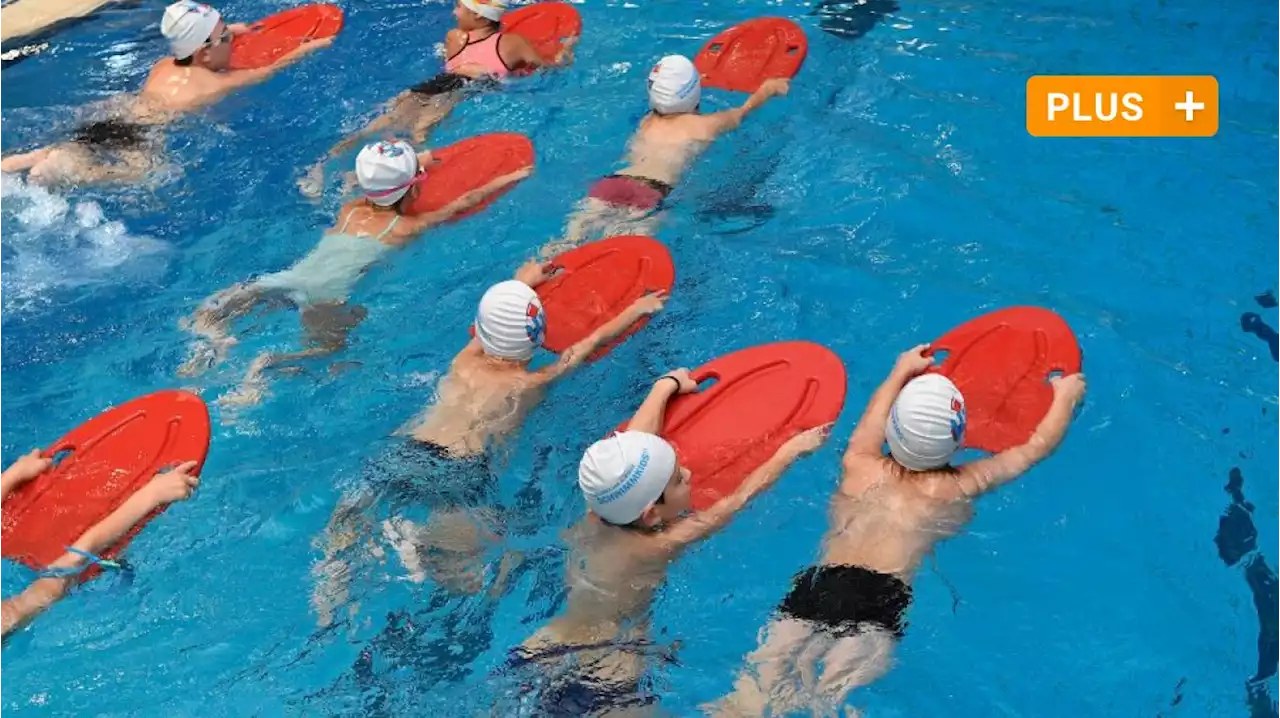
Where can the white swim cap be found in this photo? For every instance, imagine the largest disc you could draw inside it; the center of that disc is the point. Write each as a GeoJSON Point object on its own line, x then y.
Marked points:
{"type": "Point", "coordinates": [510, 322]}
{"type": "Point", "coordinates": [187, 26]}
{"type": "Point", "coordinates": [623, 475]}
{"type": "Point", "coordinates": [674, 86]}
{"type": "Point", "coordinates": [488, 9]}
{"type": "Point", "coordinates": [386, 170]}
{"type": "Point", "coordinates": [926, 424]}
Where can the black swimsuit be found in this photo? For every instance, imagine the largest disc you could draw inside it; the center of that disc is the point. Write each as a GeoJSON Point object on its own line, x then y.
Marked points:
{"type": "Point", "coordinates": [848, 599]}
{"type": "Point", "coordinates": [112, 135]}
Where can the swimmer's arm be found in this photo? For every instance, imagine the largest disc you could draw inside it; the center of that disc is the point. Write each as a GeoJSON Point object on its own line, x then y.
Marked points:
{"type": "Point", "coordinates": [704, 523]}
{"type": "Point", "coordinates": [44, 592]}
{"type": "Point", "coordinates": [868, 436]}
{"type": "Point", "coordinates": [978, 477]}
{"type": "Point", "coordinates": [728, 120]}
{"type": "Point", "coordinates": [413, 224]}
{"type": "Point", "coordinates": [653, 411]}
{"type": "Point", "coordinates": [243, 78]}
{"type": "Point", "coordinates": [575, 355]}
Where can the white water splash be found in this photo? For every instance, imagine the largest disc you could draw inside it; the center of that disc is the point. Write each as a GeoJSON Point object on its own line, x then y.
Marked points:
{"type": "Point", "coordinates": [52, 242]}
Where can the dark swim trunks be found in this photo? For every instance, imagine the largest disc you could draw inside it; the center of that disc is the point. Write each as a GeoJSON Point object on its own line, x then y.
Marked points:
{"type": "Point", "coordinates": [573, 696]}
{"type": "Point", "coordinates": [421, 473]}
{"type": "Point", "coordinates": [847, 599]}
{"type": "Point", "coordinates": [112, 135]}
{"type": "Point", "coordinates": [630, 191]}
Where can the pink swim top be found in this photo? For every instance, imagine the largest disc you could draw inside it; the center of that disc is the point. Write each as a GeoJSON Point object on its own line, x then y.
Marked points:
{"type": "Point", "coordinates": [482, 52]}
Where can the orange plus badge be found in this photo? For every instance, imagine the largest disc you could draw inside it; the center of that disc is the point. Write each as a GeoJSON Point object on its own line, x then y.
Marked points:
{"type": "Point", "coordinates": [1122, 106]}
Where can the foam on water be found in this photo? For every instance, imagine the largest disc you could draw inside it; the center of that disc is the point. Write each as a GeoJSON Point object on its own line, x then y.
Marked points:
{"type": "Point", "coordinates": [52, 242]}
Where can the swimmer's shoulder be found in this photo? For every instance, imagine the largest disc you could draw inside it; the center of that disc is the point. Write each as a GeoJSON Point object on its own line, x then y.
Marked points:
{"type": "Point", "coordinates": [863, 473]}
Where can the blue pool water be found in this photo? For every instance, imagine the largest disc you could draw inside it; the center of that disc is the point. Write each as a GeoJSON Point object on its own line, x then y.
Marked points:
{"type": "Point", "coordinates": [892, 195]}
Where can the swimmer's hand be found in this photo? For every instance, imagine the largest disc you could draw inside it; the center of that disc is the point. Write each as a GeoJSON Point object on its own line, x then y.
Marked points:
{"type": "Point", "coordinates": [913, 362]}
{"type": "Point", "coordinates": [27, 468]}
{"type": "Point", "coordinates": [306, 47]}
{"type": "Point", "coordinates": [565, 55]}
{"type": "Point", "coordinates": [176, 484]}
{"type": "Point", "coordinates": [650, 303]}
{"type": "Point", "coordinates": [238, 28]}
{"type": "Point", "coordinates": [774, 87]}
{"type": "Point", "coordinates": [805, 442]}
{"type": "Point", "coordinates": [1068, 388]}
{"type": "Point", "coordinates": [533, 272]}
{"type": "Point", "coordinates": [685, 382]}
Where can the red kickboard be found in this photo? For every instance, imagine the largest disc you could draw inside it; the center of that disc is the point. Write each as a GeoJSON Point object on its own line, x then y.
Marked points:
{"type": "Point", "coordinates": [546, 25]}
{"type": "Point", "coordinates": [744, 56]}
{"type": "Point", "coordinates": [275, 36]}
{"type": "Point", "coordinates": [762, 397]}
{"type": "Point", "coordinates": [1001, 363]}
{"type": "Point", "coordinates": [111, 456]}
{"type": "Point", "coordinates": [597, 281]}
{"type": "Point", "coordinates": [469, 165]}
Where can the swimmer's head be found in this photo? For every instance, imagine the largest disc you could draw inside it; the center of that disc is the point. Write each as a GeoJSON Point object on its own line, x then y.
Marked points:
{"type": "Point", "coordinates": [475, 14]}
{"type": "Point", "coordinates": [926, 423]}
{"type": "Point", "coordinates": [387, 170]}
{"type": "Point", "coordinates": [674, 86]}
{"type": "Point", "coordinates": [197, 33]}
{"type": "Point", "coordinates": [510, 322]}
{"type": "Point", "coordinates": [633, 479]}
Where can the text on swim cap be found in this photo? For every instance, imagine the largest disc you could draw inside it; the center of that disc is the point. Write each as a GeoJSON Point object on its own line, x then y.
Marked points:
{"type": "Point", "coordinates": [633, 477]}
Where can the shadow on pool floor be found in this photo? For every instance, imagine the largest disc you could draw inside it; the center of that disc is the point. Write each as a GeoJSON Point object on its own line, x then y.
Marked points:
{"type": "Point", "coordinates": [1237, 541]}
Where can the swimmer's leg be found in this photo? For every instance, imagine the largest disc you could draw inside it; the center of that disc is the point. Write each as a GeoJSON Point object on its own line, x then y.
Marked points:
{"type": "Point", "coordinates": [133, 166]}
{"type": "Point", "coordinates": [57, 165]}
{"type": "Point", "coordinates": [850, 662]}
{"type": "Point", "coordinates": [449, 548]}
{"type": "Point", "coordinates": [347, 525]}
{"type": "Point", "coordinates": [591, 215]}
{"type": "Point", "coordinates": [773, 684]}
{"type": "Point", "coordinates": [212, 321]}
{"type": "Point", "coordinates": [25, 161]}
{"type": "Point", "coordinates": [637, 221]}
{"type": "Point", "coordinates": [428, 113]}
{"type": "Point", "coordinates": [326, 327]}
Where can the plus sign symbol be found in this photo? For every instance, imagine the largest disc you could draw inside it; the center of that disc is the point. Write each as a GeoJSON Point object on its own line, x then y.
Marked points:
{"type": "Point", "coordinates": [1189, 106]}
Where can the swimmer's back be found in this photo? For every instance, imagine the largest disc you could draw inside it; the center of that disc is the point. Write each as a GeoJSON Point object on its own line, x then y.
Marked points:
{"type": "Point", "coordinates": [478, 400]}
{"type": "Point", "coordinates": [173, 89]}
{"type": "Point", "coordinates": [663, 146]}
{"type": "Point", "coordinates": [611, 576]}
{"type": "Point", "coordinates": [883, 520]}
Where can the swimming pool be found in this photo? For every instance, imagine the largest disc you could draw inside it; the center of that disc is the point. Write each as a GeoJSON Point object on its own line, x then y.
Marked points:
{"type": "Point", "coordinates": [893, 194]}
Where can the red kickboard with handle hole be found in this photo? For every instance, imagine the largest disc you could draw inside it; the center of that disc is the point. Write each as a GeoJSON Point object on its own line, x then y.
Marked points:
{"type": "Point", "coordinates": [1001, 363]}
{"type": "Point", "coordinates": [762, 397]}
{"type": "Point", "coordinates": [744, 56]}
{"type": "Point", "coordinates": [468, 165]}
{"type": "Point", "coordinates": [111, 456]}
{"type": "Point", "coordinates": [546, 25]}
{"type": "Point", "coordinates": [596, 282]}
{"type": "Point", "coordinates": [275, 36]}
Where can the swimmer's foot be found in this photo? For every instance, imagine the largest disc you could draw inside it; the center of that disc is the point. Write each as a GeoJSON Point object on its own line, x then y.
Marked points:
{"type": "Point", "coordinates": [252, 388]}
{"type": "Point", "coordinates": [399, 533]}
{"type": "Point", "coordinates": [449, 549]}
